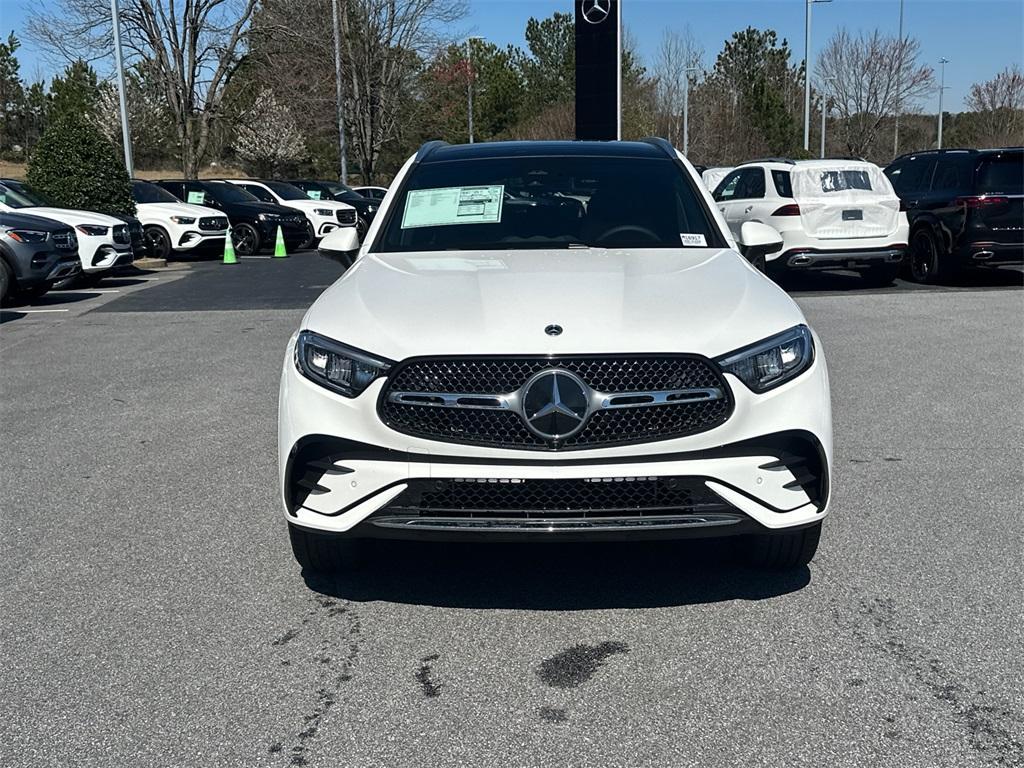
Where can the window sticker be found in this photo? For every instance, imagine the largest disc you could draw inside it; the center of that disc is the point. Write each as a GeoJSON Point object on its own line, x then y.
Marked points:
{"type": "Point", "coordinates": [453, 205]}
{"type": "Point", "coordinates": [196, 198]}
{"type": "Point", "coordinates": [693, 241]}
{"type": "Point", "coordinates": [313, 194]}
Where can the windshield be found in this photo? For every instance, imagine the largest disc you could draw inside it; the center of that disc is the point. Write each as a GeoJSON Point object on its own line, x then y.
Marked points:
{"type": "Point", "coordinates": [144, 192]}
{"type": "Point", "coordinates": [285, 191]}
{"type": "Point", "coordinates": [19, 196]}
{"type": "Point", "coordinates": [223, 192]}
{"type": "Point", "coordinates": [547, 202]}
{"type": "Point", "coordinates": [1002, 175]}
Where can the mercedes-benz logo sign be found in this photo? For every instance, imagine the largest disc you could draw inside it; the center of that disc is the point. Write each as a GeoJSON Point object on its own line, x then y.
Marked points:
{"type": "Point", "coordinates": [595, 11]}
{"type": "Point", "coordinates": [553, 330]}
{"type": "Point", "coordinates": [556, 404]}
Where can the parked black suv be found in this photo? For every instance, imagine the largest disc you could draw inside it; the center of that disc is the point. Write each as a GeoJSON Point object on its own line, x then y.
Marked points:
{"type": "Point", "coordinates": [366, 208]}
{"type": "Point", "coordinates": [253, 223]}
{"type": "Point", "coordinates": [34, 254]}
{"type": "Point", "coordinates": [965, 206]}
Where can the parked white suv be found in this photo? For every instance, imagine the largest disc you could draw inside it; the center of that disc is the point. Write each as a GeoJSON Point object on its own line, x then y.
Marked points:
{"type": "Point", "coordinates": [103, 241]}
{"type": "Point", "coordinates": [173, 227]}
{"type": "Point", "coordinates": [553, 340]}
{"type": "Point", "coordinates": [831, 214]}
{"type": "Point", "coordinates": [322, 216]}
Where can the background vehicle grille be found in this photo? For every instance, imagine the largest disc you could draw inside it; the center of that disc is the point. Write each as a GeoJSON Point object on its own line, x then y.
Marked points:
{"type": "Point", "coordinates": [214, 223]}
{"type": "Point", "coordinates": [64, 240]}
{"type": "Point", "coordinates": [121, 236]}
{"type": "Point", "coordinates": [551, 498]}
{"type": "Point", "coordinates": [503, 428]}
{"type": "Point", "coordinates": [347, 216]}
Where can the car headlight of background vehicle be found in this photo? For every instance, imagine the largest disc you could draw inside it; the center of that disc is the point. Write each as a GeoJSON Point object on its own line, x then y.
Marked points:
{"type": "Point", "coordinates": [183, 219]}
{"type": "Point", "coordinates": [268, 217]}
{"type": "Point", "coordinates": [341, 369]}
{"type": "Point", "coordinates": [324, 212]}
{"type": "Point", "coordinates": [27, 235]}
{"type": "Point", "coordinates": [769, 363]}
{"type": "Point", "coordinates": [93, 230]}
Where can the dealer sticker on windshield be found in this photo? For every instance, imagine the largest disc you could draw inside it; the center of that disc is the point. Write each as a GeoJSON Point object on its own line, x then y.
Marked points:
{"type": "Point", "coordinates": [453, 205]}
{"type": "Point", "coordinates": [693, 241]}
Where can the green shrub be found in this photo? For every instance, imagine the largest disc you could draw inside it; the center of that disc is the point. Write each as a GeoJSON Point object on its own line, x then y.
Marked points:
{"type": "Point", "coordinates": [74, 166]}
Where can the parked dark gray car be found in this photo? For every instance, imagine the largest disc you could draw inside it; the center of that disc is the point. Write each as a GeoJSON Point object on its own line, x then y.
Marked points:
{"type": "Point", "coordinates": [34, 254]}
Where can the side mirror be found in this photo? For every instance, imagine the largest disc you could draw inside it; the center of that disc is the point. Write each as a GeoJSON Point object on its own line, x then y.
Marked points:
{"type": "Point", "coordinates": [757, 240]}
{"type": "Point", "coordinates": [340, 245]}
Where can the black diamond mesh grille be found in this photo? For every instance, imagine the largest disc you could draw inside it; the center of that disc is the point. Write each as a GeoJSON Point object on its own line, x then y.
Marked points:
{"type": "Point", "coordinates": [487, 376]}
{"type": "Point", "coordinates": [548, 498]}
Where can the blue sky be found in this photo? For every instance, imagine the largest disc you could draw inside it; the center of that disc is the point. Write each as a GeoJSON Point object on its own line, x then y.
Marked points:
{"type": "Point", "coordinates": [979, 37]}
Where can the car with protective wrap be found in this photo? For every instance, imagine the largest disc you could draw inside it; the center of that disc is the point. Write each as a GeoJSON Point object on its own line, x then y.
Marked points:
{"type": "Point", "coordinates": [553, 341]}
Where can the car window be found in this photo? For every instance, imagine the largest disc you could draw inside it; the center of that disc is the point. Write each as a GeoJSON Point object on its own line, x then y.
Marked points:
{"type": "Point", "coordinates": [950, 175]}
{"type": "Point", "coordinates": [912, 175]}
{"type": "Point", "coordinates": [751, 184]}
{"type": "Point", "coordinates": [1002, 174]}
{"type": "Point", "coordinates": [726, 189]}
{"type": "Point", "coordinates": [224, 192]}
{"type": "Point", "coordinates": [286, 191]}
{"type": "Point", "coordinates": [144, 192]}
{"type": "Point", "coordinates": [258, 192]}
{"type": "Point", "coordinates": [783, 183]}
{"type": "Point", "coordinates": [16, 199]}
{"type": "Point", "coordinates": [173, 187]}
{"type": "Point", "coordinates": [547, 202]}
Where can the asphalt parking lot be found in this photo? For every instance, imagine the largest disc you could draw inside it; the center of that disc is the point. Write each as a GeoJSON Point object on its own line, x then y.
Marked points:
{"type": "Point", "coordinates": [153, 615]}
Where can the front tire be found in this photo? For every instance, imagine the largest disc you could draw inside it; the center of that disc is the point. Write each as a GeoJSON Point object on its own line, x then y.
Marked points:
{"type": "Point", "coordinates": [323, 552]}
{"type": "Point", "coordinates": [310, 237]}
{"type": "Point", "coordinates": [159, 242]}
{"type": "Point", "coordinates": [6, 281]}
{"type": "Point", "coordinates": [245, 239]}
{"type": "Point", "coordinates": [929, 263]}
{"type": "Point", "coordinates": [784, 550]}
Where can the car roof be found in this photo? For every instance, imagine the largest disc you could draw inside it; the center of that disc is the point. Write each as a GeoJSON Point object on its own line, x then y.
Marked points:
{"type": "Point", "coordinates": [437, 152]}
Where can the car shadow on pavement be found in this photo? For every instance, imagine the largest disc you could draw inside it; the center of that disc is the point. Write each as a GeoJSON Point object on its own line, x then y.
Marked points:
{"type": "Point", "coordinates": [842, 281]}
{"type": "Point", "coordinates": [557, 577]}
{"type": "Point", "coordinates": [51, 299]}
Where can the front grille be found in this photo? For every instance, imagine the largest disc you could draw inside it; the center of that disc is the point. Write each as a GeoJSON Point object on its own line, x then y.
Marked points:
{"type": "Point", "coordinates": [213, 223]}
{"type": "Point", "coordinates": [346, 215]}
{"type": "Point", "coordinates": [506, 428]}
{"type": "Point", "coordinates": [65, 241]}
{"type": "Point", "coordinates": [552, 499]}
{"type": "Point", "coordinates": [293, 221]}
{"type": "Point", "coordinates": [121, 236]}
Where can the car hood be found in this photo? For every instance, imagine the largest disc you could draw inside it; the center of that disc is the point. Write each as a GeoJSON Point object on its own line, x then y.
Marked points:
{"type": "Point", "coordinates": [28, 221]}
{"type": "Point", "coordinates": [708, 301]}
{"type": "Point", "coordinates": [165, 210]}
{"type": "Point", "coordinates": [72, 216]}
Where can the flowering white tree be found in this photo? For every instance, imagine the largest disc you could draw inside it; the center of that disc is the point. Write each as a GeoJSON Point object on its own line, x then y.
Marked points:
{"type": "Point", "coordinates": [999, 103]}
{"type": "Point", "coordinates": [269, 137]}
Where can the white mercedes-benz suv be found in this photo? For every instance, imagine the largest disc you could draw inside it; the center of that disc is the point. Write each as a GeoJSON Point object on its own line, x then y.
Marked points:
{"type": "Point", "coordinates": [555, 341]}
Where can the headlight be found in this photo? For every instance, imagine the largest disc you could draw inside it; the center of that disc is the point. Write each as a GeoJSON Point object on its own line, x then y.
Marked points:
{"type": "Point", "coordinates": [323, 212]}
{"type": "Point", "coordinates": [371, 209]}
{"type": "Point", "coordinates": [268, 217]}
{"type": "Point", "coordinates": [771, 362]}
{"type": "Point", "coordinates": [93, 230]}
{"type": "Point", "coordinates": [183, 219]}
{"type": "Point", "coordinates": [27, 235]}
{"type": "Point", "coordinates": [342, 369]}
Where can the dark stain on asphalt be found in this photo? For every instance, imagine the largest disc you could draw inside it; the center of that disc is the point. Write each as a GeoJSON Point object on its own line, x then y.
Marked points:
{"type": "Point", "coordinates": [553, 715]}
{"type": "Point", "coordinates": [333, 661]}
{"type": "Point", "coordinates": [892, 458]}
{"type": "Point", "coordinates": [424, 677]}
{"type": "Point", "coordinates": [574, 666]}
{"type": "Point", "coordinates": [991, 728]}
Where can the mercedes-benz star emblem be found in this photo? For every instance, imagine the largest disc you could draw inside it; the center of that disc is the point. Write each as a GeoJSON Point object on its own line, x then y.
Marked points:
{"type": "Point", "coordinates": [553, 330]}
{"type": "Point", "coordinates": [556, 404]}
{"type": "Point", "coordinates": [595, 11]}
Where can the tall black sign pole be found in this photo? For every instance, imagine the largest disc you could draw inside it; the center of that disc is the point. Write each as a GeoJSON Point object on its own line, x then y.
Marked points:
{"type": "Point", "coordinates": [598, 70]}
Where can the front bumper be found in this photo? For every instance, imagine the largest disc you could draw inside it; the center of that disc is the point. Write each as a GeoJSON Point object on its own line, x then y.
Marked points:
{"type": "Point", "coordinates": [767, 467]}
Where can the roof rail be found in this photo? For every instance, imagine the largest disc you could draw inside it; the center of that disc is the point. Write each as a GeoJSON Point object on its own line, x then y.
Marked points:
{"type": "Point", "coordinates": [429, 147]}
{"type": "Point", "coordinates": [663, 144]}
{"type": "Point", "coordinates": [787, 160]}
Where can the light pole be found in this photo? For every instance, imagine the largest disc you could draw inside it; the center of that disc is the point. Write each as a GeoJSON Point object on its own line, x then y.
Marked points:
{"type": "Point", "coordinates": [943, 61]}
{"type": "Point", "coordinates": [824, 112]}
{"type": "Point", "coordinates": [899, 95]}
{"type": "Point", "coordinates": [807, 71]}
{"type": "Point", "coordinates": [339, 97]}
{"type": "Point", "coordinates": [126, 135]}
{"type": "Point", "coordinates": [469, 87]}
{"type": "Point", "coordinates": [686, 107]}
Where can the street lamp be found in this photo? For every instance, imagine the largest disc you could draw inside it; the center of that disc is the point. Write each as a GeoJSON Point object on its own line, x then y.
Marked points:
{"type": "Point", "coordinates": [126, 135]}
{"type": "Point", "coordinates": [807, 71]}
{"type": "Point", "coordinates": [899, 93]}
{"type": "Point", "coordinates": [686, 107]}
{"type": "Point", "coordinates": [339, 97]}
{"type": "Point", "coordinates": [469, 86]}
{"type": "Point", "coordinates": [824, 112]}
{"type": "Point", "coordinates": [943, 61]}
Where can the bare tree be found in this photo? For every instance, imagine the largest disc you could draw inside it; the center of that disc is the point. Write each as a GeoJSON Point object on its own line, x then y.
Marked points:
{"type": "Point", "coordinates": [269, 137]}
{"type": "Point", "coordinates": [192, 47]}
{"type": "Point", "coordinates": [678, 52]}
{"type": "Point", "coordinates": [999, 103]}
{"type": "Point", "coordinates": [863, 73]}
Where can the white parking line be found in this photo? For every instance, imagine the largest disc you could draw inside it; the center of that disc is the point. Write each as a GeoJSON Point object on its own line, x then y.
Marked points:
{"type": "Point", "coordinates": [26, 311]}
{"type": "Point", "coordinates": [94, 290]}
